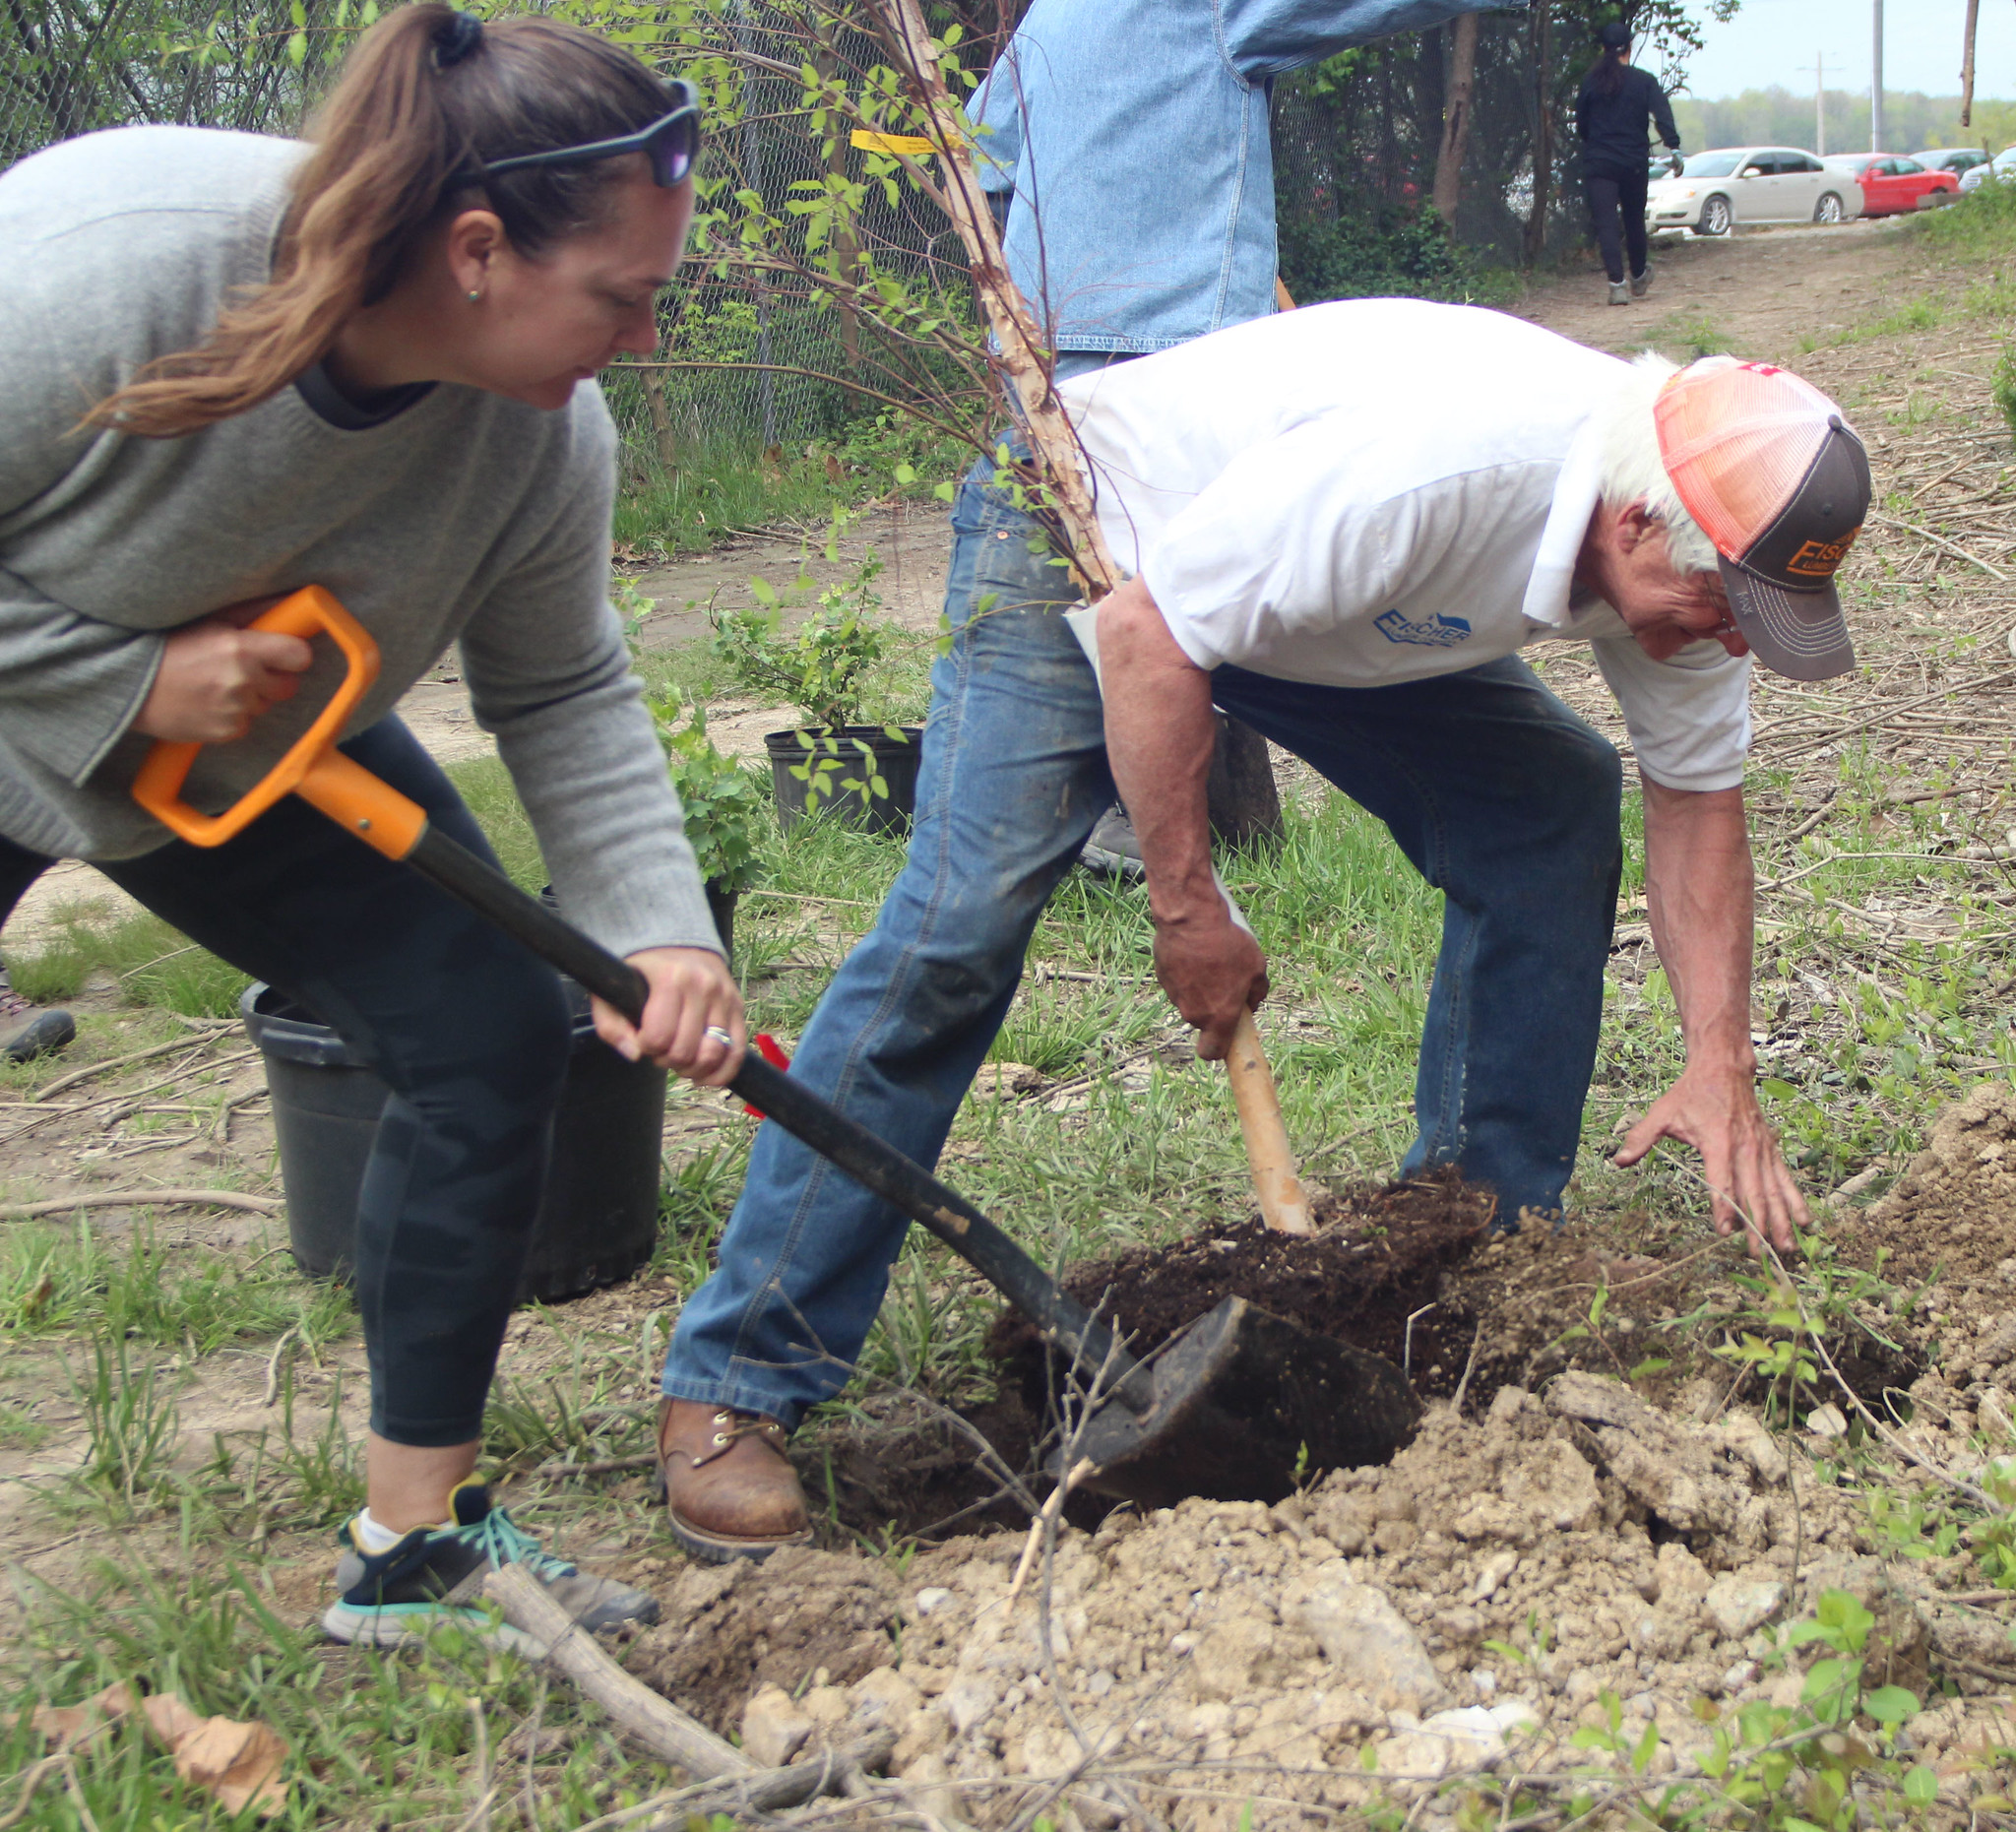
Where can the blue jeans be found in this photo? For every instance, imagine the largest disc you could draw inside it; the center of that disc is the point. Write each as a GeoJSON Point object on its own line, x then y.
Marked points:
{"type": "Point", "coordinates": [1498, 794]}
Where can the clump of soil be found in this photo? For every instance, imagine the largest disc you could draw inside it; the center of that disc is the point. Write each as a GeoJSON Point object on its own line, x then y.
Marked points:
{"type": "Point", "coordinates": [1952, 1214]}
{"type": "Point", "coordinates": [894, 1466]}
{"type": "Point", "coordinates": [1949, 1224]}
{"type": "Point", "coordinates": [1378, 1257]}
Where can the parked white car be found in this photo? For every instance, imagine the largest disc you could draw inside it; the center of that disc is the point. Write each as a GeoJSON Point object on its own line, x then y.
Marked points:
{"type": "Point", "coordinates": [1717, 189]}
{"type": "Point", "coordinates": [2001, 167]}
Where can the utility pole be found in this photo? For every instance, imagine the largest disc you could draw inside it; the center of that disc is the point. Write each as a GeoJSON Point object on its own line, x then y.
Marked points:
{"type": "Point", "coordinates": [1876, 85]}
{"type": "Point", "coordinates": [1820, 103]}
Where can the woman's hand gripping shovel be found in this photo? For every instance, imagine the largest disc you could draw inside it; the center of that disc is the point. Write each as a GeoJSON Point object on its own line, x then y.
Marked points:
{"type": "Point", "coordinates": [1229, 1410]}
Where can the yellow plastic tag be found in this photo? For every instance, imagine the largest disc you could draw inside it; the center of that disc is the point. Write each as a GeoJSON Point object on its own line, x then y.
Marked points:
{"type": "Point", "coordinates": [870, 142]}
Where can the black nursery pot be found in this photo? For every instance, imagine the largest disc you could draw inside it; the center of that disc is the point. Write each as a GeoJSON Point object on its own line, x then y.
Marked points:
{"type": "Point", "coordinates": [895, 760]}
{"type": "Point", "coordinates": [597, 1218]}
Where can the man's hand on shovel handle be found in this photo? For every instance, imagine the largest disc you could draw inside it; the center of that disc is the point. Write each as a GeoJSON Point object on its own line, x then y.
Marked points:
{"type": "Point", "coordinates": [691, 993]}
{"type": "Point", "coordinates": [1212, 971]}
{"type": "Point", "coordinates": [216, 678]}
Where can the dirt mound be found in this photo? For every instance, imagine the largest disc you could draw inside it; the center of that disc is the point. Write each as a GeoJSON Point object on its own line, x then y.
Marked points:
{"type": "Point", "coordinates": [1952, 1214]}
{"type": "Point", "coordinates": [1949, 1224]}
{"type": "Point", "coordinates": [1488, 1587]}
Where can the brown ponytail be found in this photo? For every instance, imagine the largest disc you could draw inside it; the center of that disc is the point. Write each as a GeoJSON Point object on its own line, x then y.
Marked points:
{"type": "Point", "coordinates": [419, 104]}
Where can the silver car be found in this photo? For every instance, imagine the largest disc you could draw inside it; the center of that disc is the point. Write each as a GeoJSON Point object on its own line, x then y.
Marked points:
{"type": "Point", "coordinates": [2001, 167]}
{"type": "Point", "coordinates": [1717, 189]}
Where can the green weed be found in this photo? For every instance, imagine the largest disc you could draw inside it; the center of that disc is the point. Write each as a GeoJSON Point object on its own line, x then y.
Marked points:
{"type": "Point", "coordinates": [153, 963]}
{"type": "Point", "coordinates": [132, 1430]}
{"type": "Point", "coordinates": [59, 1279]}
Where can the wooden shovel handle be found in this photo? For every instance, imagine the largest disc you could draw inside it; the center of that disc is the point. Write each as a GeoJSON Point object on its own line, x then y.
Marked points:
{"type": "Point", "coordinates": [1283, 1204]}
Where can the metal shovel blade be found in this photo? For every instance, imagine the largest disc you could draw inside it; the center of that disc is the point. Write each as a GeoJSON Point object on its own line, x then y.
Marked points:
{"type": "Point", "coordinates": [1245, 1404]}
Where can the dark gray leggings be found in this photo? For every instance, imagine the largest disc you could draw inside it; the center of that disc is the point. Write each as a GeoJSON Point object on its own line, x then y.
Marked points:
{"type": "Point", "coordinates": [469, 1031]}
{"type": "Point", "coordinates": [1613, 195]}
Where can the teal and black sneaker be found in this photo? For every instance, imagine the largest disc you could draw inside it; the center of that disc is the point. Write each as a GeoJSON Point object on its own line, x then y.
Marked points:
{"type": "Point", "coordinates": [435, 1575]}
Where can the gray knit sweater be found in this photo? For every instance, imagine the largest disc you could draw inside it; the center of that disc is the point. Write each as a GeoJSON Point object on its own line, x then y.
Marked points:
{"type": "Point", "coordinates": [465, 519]}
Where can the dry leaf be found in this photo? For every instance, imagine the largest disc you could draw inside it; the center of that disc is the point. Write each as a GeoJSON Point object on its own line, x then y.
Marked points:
{"type": "Point", "coordinates": [237, 1762]}
{"type": "Point", "coordinates": [64, 1724]}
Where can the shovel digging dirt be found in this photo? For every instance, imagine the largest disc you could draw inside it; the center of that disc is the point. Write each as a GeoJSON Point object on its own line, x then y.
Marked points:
{"type": "Point", "coordinates": [1235, 1409]}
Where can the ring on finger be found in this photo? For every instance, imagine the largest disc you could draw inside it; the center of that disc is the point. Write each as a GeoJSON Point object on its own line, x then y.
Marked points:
{"type": "Point", "coordinates": [715, 1034]}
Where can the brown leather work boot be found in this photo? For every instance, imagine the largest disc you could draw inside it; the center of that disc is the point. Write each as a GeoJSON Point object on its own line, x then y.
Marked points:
{"type": "Point", "coordinates": [729, 1491]}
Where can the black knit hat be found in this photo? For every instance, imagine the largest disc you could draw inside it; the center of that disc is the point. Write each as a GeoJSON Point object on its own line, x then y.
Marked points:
{"type": "Point", "coordinates": [1615, 36]}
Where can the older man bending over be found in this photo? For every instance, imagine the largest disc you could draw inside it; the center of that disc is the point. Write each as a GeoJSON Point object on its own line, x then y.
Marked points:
{"type": "Point", "coordinates": [1344, 522]}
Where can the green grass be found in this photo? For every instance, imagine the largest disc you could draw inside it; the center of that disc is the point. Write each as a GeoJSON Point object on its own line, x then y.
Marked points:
{"type": "Point", "coordinates": [153, 964]}
{"type": "Point", "coordinates": [372, 1738]}
{"type": "Point", "coordinates": [60, 1278]}
{"type": "Point", "coordinates": [718, 492]}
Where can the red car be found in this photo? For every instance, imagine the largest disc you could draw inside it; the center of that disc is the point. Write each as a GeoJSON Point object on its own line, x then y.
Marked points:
{"type": "Point", "coordinates": [1892, 184]}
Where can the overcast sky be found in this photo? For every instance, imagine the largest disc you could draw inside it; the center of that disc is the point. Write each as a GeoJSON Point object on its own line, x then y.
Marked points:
{"type": "Point", "coordinates": [1774, 41]}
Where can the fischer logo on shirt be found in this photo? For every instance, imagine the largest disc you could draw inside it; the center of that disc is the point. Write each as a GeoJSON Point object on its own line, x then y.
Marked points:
{"type": "Point", "coordinates": [1439, 632]}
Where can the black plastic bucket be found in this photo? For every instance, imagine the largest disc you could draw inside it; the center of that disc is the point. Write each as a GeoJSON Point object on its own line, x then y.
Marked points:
{"type": "Point", "coordinates": [720, 905]}
{"type": "Point", "coordinates": [895, 759]}
{"type": "Point", "coordinates": [598, 1221]}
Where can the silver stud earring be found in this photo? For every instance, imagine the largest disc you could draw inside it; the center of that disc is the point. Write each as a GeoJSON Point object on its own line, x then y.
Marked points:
{"type": "Point", "coordinates": [474, 297]}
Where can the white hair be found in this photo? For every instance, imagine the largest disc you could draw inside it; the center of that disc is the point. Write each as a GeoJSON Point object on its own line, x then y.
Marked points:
{"type": "Point", "coordinates": [1632, 470]}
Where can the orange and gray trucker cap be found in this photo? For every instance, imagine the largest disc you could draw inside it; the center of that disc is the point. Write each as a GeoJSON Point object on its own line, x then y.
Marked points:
{"type": "Point", "coordinates": [1778, 481]}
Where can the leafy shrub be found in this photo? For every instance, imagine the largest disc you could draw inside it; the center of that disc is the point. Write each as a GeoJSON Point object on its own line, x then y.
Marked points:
{"type": "Point", "coordinates": [819, 666]}
{"type": "Point", "coordinates": [721, 797]}
{"type": "Point", "coordinates": [1386, 252]}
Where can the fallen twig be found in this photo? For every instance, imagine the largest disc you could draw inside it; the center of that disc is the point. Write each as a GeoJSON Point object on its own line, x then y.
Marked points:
{"type": "Point", "coordinates": [1940, 540]}
{"type": "Point", "coordinates": [110, 1062]}
{"type": "Point", "coordinates": [132, 1198]}
{"type": "Point", "coordinates": [602, 1465]}
{"type": "Point", "coordinates": [654, 1722]}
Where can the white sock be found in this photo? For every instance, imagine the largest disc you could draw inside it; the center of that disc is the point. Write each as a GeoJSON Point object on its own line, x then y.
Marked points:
{"type": "Point", "coordinates": [371, 1535]}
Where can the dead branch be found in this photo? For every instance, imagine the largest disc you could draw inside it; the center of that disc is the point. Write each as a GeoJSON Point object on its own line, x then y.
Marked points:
{"type": "Point", "coordinates": [129, 1198]}
{"type": "Point", "coordinates": [654, 1723]}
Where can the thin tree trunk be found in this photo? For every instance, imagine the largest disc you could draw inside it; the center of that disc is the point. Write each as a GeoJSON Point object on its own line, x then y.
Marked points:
{"type": "Point", "coordinates": [1456, 108]}
{"type": "Point", "coordinates": [1543, 133]}
{"type": "Point", "coordinates": [846, 252]}
{"type": "Point", "coordinates": [1967, 63]}
{"type": "Point", "coordinates": [661, 421]}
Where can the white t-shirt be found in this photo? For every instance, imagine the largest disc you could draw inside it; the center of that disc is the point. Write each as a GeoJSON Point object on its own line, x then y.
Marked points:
{"type": "Point", "coordinates": [1380, 490]}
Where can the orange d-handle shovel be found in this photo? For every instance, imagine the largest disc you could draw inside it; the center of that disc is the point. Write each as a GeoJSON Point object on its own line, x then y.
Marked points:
{"type": "Point", "coordinates": [384, 819]}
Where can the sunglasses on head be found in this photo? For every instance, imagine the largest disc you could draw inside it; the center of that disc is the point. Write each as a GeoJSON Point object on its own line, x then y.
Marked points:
{"type": "Point", "coordinates": [671, 143]}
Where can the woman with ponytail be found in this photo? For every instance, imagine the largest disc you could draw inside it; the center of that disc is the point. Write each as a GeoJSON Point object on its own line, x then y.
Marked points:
{"type": "Point", "coordinates": [1618, 105]}
{"type": "Point", "coordinates": [234, 367]}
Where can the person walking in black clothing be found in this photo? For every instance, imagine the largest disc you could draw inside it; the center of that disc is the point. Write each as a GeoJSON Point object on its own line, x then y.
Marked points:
{"type": "Point", "coordinates": [1618, 103]}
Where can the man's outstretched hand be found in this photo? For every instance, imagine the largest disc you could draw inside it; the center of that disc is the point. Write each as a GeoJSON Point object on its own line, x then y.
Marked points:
{"type": "Point", "coordinates": [1212, 971]}
{"type": "Point", "coordinates": [1740, 1160]}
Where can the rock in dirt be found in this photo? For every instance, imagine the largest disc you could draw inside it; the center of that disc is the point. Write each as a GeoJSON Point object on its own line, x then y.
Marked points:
{"type": "Point", "coordinates": [1453, 1740]}
{"type": "Point", "coordinates": [773, 1728]}
{"type": "Point", "coordinates": [1369, 1644]}
{"type": "Point", "coordinates": [1669, 1470]}
{"type": "Point", "coordinates": [1736, 1606]}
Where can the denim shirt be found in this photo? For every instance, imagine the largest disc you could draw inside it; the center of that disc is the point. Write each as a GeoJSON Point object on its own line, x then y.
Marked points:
{"type": "Point", "coordinates": [1131, 136]}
